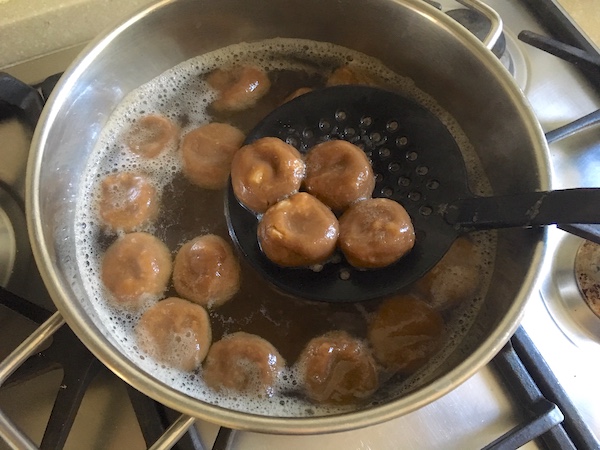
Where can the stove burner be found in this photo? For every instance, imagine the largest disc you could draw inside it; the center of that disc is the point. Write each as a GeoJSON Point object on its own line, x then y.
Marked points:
{"type": "Point", "coordinates": [587, 273]}
{"type": "Point", "coordinates": [14, 244]}
{"type": "Point", "coordinates": [479, 25]}
{"type": "Point", "coordinates": [506, 49]}
{"type": "Point", "coordinates": [514, 61]}
{"type": "Point", "coordinates": [563, 296]}
{"type": "Point", "coordinates": [8, 248]}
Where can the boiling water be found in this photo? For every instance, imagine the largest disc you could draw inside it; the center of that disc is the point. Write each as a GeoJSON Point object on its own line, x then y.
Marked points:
{"type": "Point", "coordinates": [188, 211]}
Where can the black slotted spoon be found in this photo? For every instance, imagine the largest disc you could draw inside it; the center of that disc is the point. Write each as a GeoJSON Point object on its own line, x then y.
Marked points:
{"type": "Point", "coordinates": [418, 164]}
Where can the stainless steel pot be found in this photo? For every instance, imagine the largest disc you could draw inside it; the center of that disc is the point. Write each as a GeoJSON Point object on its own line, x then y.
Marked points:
{"type": "Point", "coordinates": [410, 37]}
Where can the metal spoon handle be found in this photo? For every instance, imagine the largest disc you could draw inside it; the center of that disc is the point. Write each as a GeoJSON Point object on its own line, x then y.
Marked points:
{"type": "Point", "coordinates": [563, 207]}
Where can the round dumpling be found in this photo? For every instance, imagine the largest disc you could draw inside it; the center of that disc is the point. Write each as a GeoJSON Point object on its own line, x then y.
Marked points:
{"type": "Point", "coordinates": [337, 368]}
{"type": "Point", "coordinates": [136, 268]}
{"type": "Point", "coordinates": [243, 362]}
{"type": "Point", "coordinates": [175, 332]}
{"type": "Point", "coordinates": [206, 271]}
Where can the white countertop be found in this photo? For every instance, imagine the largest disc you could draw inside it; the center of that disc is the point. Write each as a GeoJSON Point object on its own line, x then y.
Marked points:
{"type": "Point", "coordinates": [32, 28]}
{"type": "Point", "coordinates": [586, 14]}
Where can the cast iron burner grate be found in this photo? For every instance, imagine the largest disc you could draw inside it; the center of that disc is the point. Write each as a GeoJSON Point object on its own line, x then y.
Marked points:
{"type": "Point", "coordinates": [551, 419]}
{"type": "Point", "coordinates": [80, 368]}
{"type": "Point", "coordinates": [548, 416]}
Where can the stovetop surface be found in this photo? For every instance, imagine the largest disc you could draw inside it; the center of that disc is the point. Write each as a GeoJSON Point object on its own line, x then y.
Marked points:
{"type": "Point", "coordinates": [561, 326]}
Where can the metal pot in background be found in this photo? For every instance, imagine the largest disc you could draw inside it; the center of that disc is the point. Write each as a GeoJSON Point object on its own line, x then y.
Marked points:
{"type": "Point", "coordinates": [411, 38]}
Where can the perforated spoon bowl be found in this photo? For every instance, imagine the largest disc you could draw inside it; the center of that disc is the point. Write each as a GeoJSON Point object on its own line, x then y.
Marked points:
{"type": "Point", "coordinates": [418, 164]}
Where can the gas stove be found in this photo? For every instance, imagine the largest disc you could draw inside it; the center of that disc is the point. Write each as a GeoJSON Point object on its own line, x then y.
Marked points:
{"type": "Point", "coordinates": [543, 382]}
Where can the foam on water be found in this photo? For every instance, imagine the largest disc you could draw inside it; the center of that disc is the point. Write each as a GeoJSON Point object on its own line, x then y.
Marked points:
{"type": "Point", "coordinates": [182, 92]}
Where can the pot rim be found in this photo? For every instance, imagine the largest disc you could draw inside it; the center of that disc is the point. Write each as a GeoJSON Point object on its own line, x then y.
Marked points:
{"type": "Point", "coordinates": [86, 330]}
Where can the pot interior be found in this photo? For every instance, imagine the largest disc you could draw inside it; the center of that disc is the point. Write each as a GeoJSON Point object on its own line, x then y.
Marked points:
{"type": "Point", "coordinates": [410, 38]}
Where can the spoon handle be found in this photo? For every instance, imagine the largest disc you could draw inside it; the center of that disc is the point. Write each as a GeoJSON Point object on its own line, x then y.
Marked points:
{"type": "Point", "coordinates": [563, 207]}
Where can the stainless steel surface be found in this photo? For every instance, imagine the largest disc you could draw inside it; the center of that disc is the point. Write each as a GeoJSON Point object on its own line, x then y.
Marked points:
{"type": "Point", "coordinates": [477, 411]}
{"type": "Point", "coordinates": [564, 299]}
{"type": "Point", "coordinates": [559, 95]}
{"type": "Point", "coordinates": [495, 21]}
{"type": "Point", "coordinates": [174, 433]}
{"type": "Point", "coordinates": [8, 248]}
{"type": "Point", "coordinates": [13, 361]}
{"type": "Point", "coordinates": [148, 45]}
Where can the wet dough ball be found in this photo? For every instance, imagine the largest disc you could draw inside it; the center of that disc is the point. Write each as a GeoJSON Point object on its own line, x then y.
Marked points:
{"type": "Point", "coordinates": [243, 362]}
{"type": "Point", "coordinates": [238, 88]}
{"type": "Point", "coordinates": [176, 333]}
{"type": "Point", "coordinates": [298, 231]}
{"type": "Point", "coordinates": [349, 75]}
{"type": "Point", "coordinates": [338, 173]}
{"type": "Point", "coordinates": [150, 135]}
{"type": "Point", "coordinates": [454, 279]}
{"type": "Point", "coordinates": [206, 271]}
{"type": "Point", "coordinates": [375, 233]}
{"type": "Point", "coordinates": [207, 153]}
{"type": "Point", "coordinates": [127, 201]}
{"type": "Point", "coordinates": [405, 333]}
{"type": "Point", "coordinates": [266, 171]}
{"type": "Point", "coordinates": [337, 368]}
{"type": "Point", "coordinates": [136, 268]}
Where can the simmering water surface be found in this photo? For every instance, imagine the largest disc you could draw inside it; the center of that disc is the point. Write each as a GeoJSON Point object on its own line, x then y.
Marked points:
{"type": "Point", "coordinates": [188, 211]}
